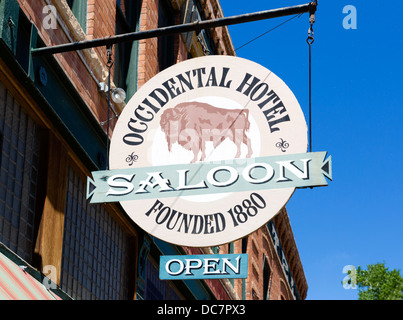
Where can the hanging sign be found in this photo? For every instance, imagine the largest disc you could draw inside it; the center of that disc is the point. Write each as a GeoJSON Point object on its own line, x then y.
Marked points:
{"type": "Point", "coordinates": [208, 266]}
{"type": "Point", "coordinates": [208, 151]}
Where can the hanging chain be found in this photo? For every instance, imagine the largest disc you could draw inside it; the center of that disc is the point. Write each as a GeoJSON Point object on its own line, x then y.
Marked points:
{"type": "Point", "coordinates": [109, 64]}
{"type": "Point", "coordinates": [310, 41]}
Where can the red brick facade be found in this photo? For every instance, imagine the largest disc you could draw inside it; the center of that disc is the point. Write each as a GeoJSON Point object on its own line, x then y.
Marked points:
{"type": "Point", "coordinates": [260, 248]}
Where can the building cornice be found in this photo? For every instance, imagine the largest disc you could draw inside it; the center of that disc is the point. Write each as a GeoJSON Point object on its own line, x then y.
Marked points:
{"type": "Point", "coordinates": [282, 224]}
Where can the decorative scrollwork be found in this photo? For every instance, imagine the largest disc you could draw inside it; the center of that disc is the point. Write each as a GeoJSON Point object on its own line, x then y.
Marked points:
{"type": "Point", "coordinates": [282, 145]}
{"type": "Point", "coordinates": [131, 158]}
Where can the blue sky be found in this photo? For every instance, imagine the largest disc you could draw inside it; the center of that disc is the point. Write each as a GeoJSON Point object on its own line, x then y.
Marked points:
{"type": "Point", "coordinates": [357, 110]}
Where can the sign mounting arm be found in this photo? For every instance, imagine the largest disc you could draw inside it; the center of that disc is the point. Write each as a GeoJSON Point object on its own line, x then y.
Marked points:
{"type": "Point", "coordinates": [188, 27]}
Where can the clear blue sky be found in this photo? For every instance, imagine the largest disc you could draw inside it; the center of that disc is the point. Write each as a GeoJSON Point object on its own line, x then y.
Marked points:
{"type": "Point", "coordinates": [357, 117]}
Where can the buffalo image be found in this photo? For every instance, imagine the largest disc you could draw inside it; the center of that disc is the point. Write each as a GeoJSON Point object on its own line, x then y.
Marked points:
{"type": "Point", "coordinates": [192, 124]}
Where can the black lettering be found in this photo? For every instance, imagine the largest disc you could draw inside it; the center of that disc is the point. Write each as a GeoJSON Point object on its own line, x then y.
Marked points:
{"type": "Point", "coordinates": [157, 206]}
{"type": "Point", "coordinates": [224, 76]}
{"type": "Point", "coordinates": [271, 95]}
{"type": "Point", "coordinates": [174, 212]}
{"type": "Point", "coordinates": [157, 218]}
{"type": "Point", "coordinates": [148, 103]}
{"type": "Point", "coordinates": [197, 220]}
{"type": "Point", "coordinates": [250, 84]}
{"type": "Point", "coordinates": [132, 128]}
{"type": "Point", "coordinates": [171, 89]}
{"type": "Point", "coordinates": [133, 139]}
{"type": "Point", "coordinates": [183, 81]}
{"type": "Point", "coordinates": [272, 113]}
{"type": "Point", "coordinates": [161, 100]}
{"type": "Point", "coordinates": [265, 87]}
{"type": "Point", "coordinates": [276, 122]}
{"type": "Point", "coordinates": [199, 73]}
{"type": "Point", "coordinates": [212, 80]}
{"type": "Point", "coordinates": [185, 222]}
{"type": "Point", "coordinates": [219, 216]}
{"type": "Point", "coordinates": [140, 117]}
{"type": "Point", "coordinates": [208, 218]}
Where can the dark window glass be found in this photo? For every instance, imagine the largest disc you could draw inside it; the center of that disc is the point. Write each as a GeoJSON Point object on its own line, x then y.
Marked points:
{"type": "Point", "coordinates": [95, 262]}
{"type": "Point", "coordinates": [18, 176]}
{"type": "Point", "coordinates": [126, 54]}
{"type": "Point", "coordinates": [266, 280]}
{"type": "Point", "coordinates": [157, 289]}
{"type": "Point", "coordinates": [165, 44]}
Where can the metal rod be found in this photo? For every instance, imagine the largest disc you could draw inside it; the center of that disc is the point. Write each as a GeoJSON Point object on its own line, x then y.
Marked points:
{"type": "Point", "coordinates": [310, 98]}
{"type": "Point", "coordinates": [188, 27]}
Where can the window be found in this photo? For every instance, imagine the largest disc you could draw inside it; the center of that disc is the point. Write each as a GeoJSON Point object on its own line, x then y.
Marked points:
{"type": "Point", "coordinates": [266, 279]}
{"type": "Point", "coordinates": [79, 9]}
{"type": "Point", "coordinates": [231, 251]}
{"type": "Point", "coordinates": [18, 176]}
{"type": "Point", "coordinates": [126, 54]}
{"type": "Point", "coordinates": [244, 247]}
{"type": "Point", "coordinates": [157, 289]}
{"type": "Point", "coordinates": [23, 41]}
{"type": "Point", "coordinates": [95, 262]}
{"type": "Point", "coordinates": [166, 57]}
{"type": "Point", "coordinates": [245, 244]}
{"type": "Point", "coordinates": [215, 249]}
{"type": "Point", "coordinates": [230, 247]}
{"type": "Point", "coordinates": [191, 12]}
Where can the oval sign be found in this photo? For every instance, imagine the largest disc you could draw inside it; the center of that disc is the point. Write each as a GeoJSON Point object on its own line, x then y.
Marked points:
{"type": "Point", "coordinates": [199, 128]}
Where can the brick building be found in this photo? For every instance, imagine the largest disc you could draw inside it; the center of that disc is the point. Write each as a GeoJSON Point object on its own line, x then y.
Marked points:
{"type": "Point", "coordinates": [53, 112]}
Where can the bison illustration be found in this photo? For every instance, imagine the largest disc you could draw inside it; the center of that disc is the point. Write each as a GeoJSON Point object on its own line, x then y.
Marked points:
{"type": "Point", "coordinates": [192, 124]}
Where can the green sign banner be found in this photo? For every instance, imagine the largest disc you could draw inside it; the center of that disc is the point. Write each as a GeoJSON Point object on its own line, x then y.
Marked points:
{"type": "Point", "coordinates": [251, 174]}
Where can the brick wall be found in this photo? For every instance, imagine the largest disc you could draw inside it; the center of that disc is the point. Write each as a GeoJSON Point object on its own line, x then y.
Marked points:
{"type": "Point", "coordinates": [148, 54]}
{"type": "Point", "coordinates": [260, 245]}
{"type": "Point", "coordinates": [101, 23]}
{"type": "Point", "coordinates": [260, 248]}
{"type": "Point", "coordinates": [101, 17]}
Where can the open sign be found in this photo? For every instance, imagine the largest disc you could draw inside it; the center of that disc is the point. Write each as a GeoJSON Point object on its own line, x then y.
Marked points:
{"type": "Point", "coordinates": [204, 266]}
